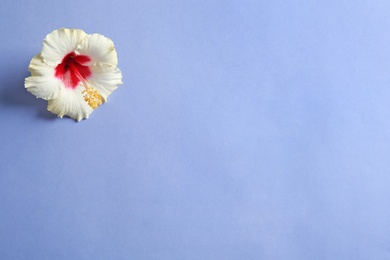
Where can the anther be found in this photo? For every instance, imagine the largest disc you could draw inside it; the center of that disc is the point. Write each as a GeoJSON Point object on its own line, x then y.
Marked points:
{"type": "Point", "coordinates": [92, 97]}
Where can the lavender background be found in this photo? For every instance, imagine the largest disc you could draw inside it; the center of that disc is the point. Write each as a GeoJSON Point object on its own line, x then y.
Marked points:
{"type": "Point", "coordinates": [243, 130]}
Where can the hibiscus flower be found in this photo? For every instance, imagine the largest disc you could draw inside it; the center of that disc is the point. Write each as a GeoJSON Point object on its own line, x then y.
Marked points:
{"type": "Point", "coordinates": [75, 72]}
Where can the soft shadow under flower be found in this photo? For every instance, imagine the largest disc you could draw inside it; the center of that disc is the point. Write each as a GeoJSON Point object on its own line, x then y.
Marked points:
{"type": "Point", "coordinates": [14, 95]}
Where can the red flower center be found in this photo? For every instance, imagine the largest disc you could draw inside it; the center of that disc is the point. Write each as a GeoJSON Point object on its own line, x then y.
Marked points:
{"type": "Point", "coordinates": [72, 70]}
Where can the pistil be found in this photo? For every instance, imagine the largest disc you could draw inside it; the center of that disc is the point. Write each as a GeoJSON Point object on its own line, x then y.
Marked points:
{"type": "Point", "coordinates": [91, 95]}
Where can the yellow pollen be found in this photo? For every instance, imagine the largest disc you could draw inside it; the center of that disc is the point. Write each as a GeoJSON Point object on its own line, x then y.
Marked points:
{"type": "Point", "coordinates": [92, 97]}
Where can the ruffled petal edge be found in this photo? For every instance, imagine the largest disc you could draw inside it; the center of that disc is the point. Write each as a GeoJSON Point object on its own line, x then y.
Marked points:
{"type": "Point", "coordinates": [99, 48]}
{"type": "Point", "coordinates": [70, 102]}
{"type": "Point", "coordinates": [105, 78]}
{"type": "Point", "coordinates": [42, 82]}
{"type": "Point", "coordinates": [60, 42]}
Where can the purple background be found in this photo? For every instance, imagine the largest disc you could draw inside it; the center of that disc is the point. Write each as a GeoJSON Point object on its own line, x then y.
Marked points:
{"type": "Point", "coordinates": [243, 130]}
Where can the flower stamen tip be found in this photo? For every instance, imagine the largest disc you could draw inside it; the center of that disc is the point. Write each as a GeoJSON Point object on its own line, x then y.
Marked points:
{"type": "Point", "coordinates": [92, 97]}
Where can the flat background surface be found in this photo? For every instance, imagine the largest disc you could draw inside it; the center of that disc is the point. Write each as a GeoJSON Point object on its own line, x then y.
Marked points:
{"type": "Point", "coordinates": [243, 130]}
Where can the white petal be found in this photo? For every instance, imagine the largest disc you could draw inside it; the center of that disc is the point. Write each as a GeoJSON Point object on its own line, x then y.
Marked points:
{"type": "Point", "coordinates": [59, 43]}
{"type": "Point", "coordinates": [105, 78]}
{"type": "Point", "coordinates": [42, 82]}
{"type": "Point", "coordinates": [70, 102]}
{"type": "Point", "coordinates": [99, 48]}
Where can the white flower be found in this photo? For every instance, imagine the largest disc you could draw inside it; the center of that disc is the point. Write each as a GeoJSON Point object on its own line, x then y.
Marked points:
{"type": "Point", "coordinates": [75, 72]}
